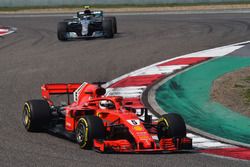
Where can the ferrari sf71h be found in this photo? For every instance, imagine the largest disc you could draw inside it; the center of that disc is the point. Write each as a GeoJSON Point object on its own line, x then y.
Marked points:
{"type": "Point", "coordinates": [104, 123]}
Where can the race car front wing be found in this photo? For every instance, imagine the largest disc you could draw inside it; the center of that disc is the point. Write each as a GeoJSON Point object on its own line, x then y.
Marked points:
{"type": "Point", "coordinates": [124, 146]}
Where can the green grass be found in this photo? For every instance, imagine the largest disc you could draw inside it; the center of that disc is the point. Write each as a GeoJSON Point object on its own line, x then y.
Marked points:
{"type": "Point", "coordinates": [121, 6]}
{"type": "Point", "coordinates": [239, 86]}
{"type": "Point", "coordinates": [247, 79]}
{"type": "Point", "coordinates": [246, 89]}
{"type": "Point", "coordinates": [247, 95]}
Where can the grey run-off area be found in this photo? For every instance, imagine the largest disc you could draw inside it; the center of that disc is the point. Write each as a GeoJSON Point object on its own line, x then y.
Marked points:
{"type": "Point", "coordinates": [29, 3]}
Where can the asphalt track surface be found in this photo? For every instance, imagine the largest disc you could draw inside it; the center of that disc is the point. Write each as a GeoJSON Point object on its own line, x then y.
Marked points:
{"type": "Point", "coordinates": [34, 56]}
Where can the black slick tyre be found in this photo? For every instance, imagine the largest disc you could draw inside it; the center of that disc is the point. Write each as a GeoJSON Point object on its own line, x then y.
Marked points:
{"type": "Point", "coordinates": [36, 115]}
{"type": "Point", "coordinates": [62, 31]}
{"type": "Point", "coordinates": [91, 29]}
{"type": "Point", "coordinates": [171, 125]}
{"type": "Point", "coordinates": [108, 28]}
{"type": "Point", "coordinates": [89, 128]}
{"type": "Point", "coordinates": [114, 23]}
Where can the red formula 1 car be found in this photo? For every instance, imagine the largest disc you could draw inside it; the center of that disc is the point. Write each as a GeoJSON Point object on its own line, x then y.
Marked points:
{"type": "Point", "coordinates": [104, 122]}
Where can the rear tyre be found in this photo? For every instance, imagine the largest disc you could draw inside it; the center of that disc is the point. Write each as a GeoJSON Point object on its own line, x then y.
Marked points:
{"type": "Point", "coordinates": [89, 128]}
{"type": "Point", "coordinates": [62, 31]}
{"type": "Point", "coordinates": [36, 115]}
{"type": "Point", "coordinates": [108, 28]}
{"type": "Point", "coordinates": [114, 23]}
{"type": "Point", "coordinates": [171, 125]}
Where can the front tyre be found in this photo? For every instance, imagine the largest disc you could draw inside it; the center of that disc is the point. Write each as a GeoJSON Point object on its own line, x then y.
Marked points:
{"type": "Point", "coordinates": [62, 31]}
{"type": "Point", "coordinates": [89, 128]}
{"type": "Point", "coordinates": [108, 28]}
{"type": "Point", "coordinates": [36, 115]}
{"type": "Point", "coordinates": [171, 125]}
{"type": "Point", "coordinates": [114, 23]}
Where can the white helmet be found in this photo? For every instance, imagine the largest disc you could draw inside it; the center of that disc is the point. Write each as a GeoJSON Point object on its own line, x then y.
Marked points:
{"type": "Point", "coordinates": [106, 104]}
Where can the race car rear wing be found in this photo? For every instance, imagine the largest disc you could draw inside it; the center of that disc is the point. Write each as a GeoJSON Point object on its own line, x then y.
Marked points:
{"type": "Point", "coordinates": [58, 88]}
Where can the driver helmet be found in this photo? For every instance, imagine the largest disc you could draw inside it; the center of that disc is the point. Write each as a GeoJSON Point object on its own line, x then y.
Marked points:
{"type": "Point", "coordinates": [87, 11]}
{"type": "Point", "coordinates": [106, 104]}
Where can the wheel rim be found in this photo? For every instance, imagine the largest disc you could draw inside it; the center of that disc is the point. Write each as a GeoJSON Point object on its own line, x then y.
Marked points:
{"type": "Point", "coordinates": [26, 116]}
{"type": "Point", "coordinates": [81, 134]}
{"type": "Point", "coordinates": [162, 129]}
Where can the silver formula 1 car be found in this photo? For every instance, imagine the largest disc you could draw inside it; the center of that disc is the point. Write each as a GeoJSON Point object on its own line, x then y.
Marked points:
{"type": "Point", "coordinates": [87, 24]}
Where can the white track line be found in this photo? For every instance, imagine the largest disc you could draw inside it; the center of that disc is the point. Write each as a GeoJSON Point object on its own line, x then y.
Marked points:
{"type": "Point", "coordinates": [159, 70]}
{"type": "Point", "coordinates": [199, 12]}
{"type": "Point", "coordinates": [7, 31]}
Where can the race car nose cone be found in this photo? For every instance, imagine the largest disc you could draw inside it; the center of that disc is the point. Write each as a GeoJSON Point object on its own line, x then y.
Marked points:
{"type": "Point", "coordinates": [147, 144]}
